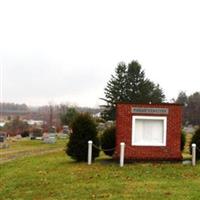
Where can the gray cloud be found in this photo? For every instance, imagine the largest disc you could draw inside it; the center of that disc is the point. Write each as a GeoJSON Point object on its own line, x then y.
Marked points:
{"type": "Point", "coordinates": [67, 50]}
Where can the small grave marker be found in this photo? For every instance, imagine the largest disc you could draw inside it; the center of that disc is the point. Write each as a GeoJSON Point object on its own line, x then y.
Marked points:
{"type": "Point", "coordinates": [49, 138]}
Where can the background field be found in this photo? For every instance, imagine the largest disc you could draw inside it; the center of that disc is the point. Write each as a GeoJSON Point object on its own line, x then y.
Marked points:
{"type": "Point", "coordinates": [26, 147]}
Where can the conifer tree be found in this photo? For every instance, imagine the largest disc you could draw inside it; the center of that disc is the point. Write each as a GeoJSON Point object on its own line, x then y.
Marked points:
{"type": "Point", "coordinates": [130, 85]}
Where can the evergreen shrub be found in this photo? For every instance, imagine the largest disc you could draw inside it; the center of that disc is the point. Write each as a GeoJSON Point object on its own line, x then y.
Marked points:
{"type": "Point", "coordinates": [83, 130]}
{"type": "Point", "coordinates": [108, 140]}
{"type": "Point", "coordinates": [196, 140]}
{"type": "Point", "coordinates": [183, 140]}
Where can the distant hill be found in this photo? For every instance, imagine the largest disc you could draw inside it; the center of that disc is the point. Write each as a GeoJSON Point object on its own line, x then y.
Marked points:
{"type": "Point", "coordinates": [12, 108]}
{"type": "Point", "coordinates": [45, 113]}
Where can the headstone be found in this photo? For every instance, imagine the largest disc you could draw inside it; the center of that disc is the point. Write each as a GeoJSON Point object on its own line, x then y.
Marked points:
{"type": "Point", "coordinates": [18, 137]}
{"type": "Point", "coordinates": [38, 138]}
{"type": "Point", "coordinates": [3, 143]}
{"type": "Point", "coordinates": [62, 135]}
{"type": "Point", "coordinates": [187, 162]}
{"type": "Point", "coordinates": [2, 137]}
{"type": "Point", "coordinates": [66, 129]}
{"type": "Point", "coordinates": [49, 138]}
{"type": "Point", "coordinates": [32, 137]}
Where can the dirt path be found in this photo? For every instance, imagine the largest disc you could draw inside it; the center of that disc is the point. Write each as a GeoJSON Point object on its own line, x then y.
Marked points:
{"type": "Point", "coordinates": [7, 157]}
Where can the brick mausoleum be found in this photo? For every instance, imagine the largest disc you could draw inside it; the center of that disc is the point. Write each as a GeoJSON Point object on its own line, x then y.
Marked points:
{"type": "Point", "coordinates": [150, 131]}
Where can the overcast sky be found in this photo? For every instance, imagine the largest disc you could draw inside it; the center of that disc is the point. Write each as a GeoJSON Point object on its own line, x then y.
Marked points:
{"type": "Point", "coordinates": [65, 51]}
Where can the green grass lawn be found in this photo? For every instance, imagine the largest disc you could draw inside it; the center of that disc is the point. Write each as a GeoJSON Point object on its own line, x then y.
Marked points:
{"type": "Point", "coordinates": [25, 146]}
{"type": "Point", "coordinates": [54, 176]}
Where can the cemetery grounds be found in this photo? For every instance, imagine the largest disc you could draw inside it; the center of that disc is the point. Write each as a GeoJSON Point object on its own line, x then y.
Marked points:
{"type": "Point", "coordinates": [32, 170]}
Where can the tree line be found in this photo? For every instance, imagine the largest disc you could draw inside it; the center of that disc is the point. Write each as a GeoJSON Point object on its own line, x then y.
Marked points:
{"type": "Point", "coordinates": [191, 109]}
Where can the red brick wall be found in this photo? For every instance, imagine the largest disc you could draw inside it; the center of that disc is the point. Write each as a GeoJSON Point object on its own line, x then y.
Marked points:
{"type": "Point", "coordinates": [124, 134]}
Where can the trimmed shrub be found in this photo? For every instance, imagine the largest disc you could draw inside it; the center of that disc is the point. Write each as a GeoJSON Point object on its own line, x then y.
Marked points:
{"type": "Point", "coordinates": [83, 130]}
{"type": "Point", "coordinates": [25, 134]}
{"type": "Point", "coordinates": [183, 140]}
{"type": "Point", "coordinates": [108, 140]}
{"type": "Point", "coordinates": [196, 140]}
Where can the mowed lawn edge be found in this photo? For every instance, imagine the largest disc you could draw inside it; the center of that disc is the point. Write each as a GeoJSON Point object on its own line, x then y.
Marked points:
{"type": "Point", "coordinates": [26, 147]}
{"type": "Point", "coordinates": [55, 176]}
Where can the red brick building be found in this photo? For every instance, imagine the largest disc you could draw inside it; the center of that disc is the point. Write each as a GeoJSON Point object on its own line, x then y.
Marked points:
{"type": "Point", "coordinates": [149, 131]}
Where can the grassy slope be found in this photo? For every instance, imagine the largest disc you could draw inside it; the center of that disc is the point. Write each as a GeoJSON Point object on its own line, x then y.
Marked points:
{"type": "Point", "coordinates": [55, 176]}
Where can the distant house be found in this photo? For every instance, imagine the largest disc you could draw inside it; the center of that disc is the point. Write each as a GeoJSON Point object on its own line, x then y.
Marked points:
{"type": "Point", "coordinates": [32, 122]}
{"type": "Point", "coordinates": [2, 124]}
